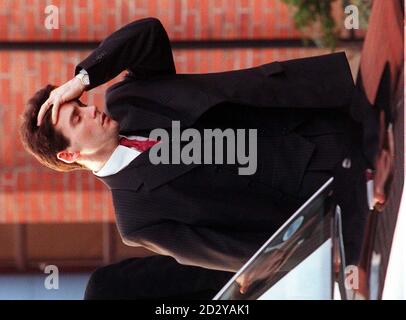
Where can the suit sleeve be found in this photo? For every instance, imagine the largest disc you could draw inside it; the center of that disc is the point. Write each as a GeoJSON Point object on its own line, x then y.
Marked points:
{"type": "Point", "coordinates": [197, 246]}
{"type": "Point", "coordinates": [142, 47]}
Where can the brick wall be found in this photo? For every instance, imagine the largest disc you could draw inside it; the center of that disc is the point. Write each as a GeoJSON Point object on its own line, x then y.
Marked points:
{"type": "Point", "coordinates": [185, 19]}
{"type": "Point", "coordinates": [32, 193]}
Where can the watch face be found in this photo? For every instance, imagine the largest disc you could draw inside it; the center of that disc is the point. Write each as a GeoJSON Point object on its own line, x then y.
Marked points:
{"type": "Point", "coordinates": [84, 78]}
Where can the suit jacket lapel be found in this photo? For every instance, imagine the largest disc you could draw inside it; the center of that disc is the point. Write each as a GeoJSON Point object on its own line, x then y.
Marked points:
{"type": "Point", "coordinates": [155, 176]}
{"type": "Point", "coordinates": [142, 171]}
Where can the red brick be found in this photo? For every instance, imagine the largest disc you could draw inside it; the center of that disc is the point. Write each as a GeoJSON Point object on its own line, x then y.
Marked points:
{"type": "Point", "coordinates": [8, 208]}
{"type": "Point", "coordinates": [33, 205]}
{"type": "Point", "coordinates": [3, 27]}
{"type": "Point", "coordinates": [111, 20]}
{"type": "Point", "coordinates": [83, 214]}
{"type": "Point", "coordinates": [98, 14]}
{"type": "Point", "coordinates": [245, 3]}
{"type": "Point", "coordinates": [5, 92]}
{"type": "Point", "coordinates": [204, 18]}
{"type": "Point", "coordinates": [218, 4]}
{"type": "Point", "coordinates": [152, 7]}
{"type": "Point", "coordinates": [110, 5]}
{"type": "Point", "coordinates": [56, 68]}
{"type": "Point", "coordinates": [177, 12]}
{"type": "Point", "coordinates": [84, 26]}
{"type": "Point", "coordinates": [190, 62]}
{"type": "Point", "coordinates": [230, 18]}
{"type": "Point", "coordinates": [140, 8]}
{"type": "Point", "coordinates": [29, 24]}
{"type": "Point", "coordinates": [218, 27]}
{"type": "Point", "coordinates": [245, 23]}
{"type": "Point", "coordinates": [83, 4]}
{"type": "Point", "coordinates": [70, 196]}
{"type": "Point", "coordinates": [190, 27]}
{"type": "Point", "coordinates": [257, 57]}
{"type": "Point", "coordinates": [4, 61]}
{"type": "Point", "coordinates": [30, 60]}
{"type": "Point", "coordinates": [217, 61]}
{"type": "Point", "coordinates": [69, 13]}
{"type": "Point", "coordinates": [44, 71]}
{"type": "Point", "coordinates": [125, 14]}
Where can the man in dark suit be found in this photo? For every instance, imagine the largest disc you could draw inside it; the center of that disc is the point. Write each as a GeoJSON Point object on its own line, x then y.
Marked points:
{"type": "Point", "coordinates": [207, 214]}
{"type": "Point", "coordinates": [155, 277]}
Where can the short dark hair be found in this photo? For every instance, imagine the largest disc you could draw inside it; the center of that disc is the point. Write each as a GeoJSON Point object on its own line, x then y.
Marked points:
{"type": "Point", "coordinates": [45, 141]}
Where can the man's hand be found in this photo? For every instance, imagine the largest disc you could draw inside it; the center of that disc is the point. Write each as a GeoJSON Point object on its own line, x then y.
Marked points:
{"type": "Point", "coordinates": [385, 161]}
{"type": "Point", "coordinates": [70, 90]}
{"type": "Point", "coordinates": [268, 265]}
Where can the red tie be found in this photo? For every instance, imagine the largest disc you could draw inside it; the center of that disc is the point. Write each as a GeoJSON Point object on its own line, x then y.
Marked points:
{"type": "Point", "coordinates": [139, 145]}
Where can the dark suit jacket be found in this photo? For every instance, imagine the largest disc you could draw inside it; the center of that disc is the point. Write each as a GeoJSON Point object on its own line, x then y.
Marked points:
{"type": "Point", "coordinates": [207, 215]}
{"type": "Point", "coordinates": [155, 277]}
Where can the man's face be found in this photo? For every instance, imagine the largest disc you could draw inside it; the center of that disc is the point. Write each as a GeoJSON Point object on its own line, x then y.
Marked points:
{"type": "Point", "coordinates": [88, 129]}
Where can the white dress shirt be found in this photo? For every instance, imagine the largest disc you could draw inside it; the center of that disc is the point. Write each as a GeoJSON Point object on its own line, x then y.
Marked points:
{"type": "Point", "coordinates": [119, 159]}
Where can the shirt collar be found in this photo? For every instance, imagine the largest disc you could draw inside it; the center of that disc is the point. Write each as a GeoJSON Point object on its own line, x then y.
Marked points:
{"type": "Point", "coordinates": [119, 159]}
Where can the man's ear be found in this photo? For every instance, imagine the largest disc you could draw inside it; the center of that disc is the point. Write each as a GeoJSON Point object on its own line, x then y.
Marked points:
{"type": "Point", "coordinates": [68, 156]}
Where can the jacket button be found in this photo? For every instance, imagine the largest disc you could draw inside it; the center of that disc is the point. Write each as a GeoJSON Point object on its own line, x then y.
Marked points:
{"type": "Point", "coordinates": [346, 163]}
{"type": "Point", "coordinates": [100, 56]}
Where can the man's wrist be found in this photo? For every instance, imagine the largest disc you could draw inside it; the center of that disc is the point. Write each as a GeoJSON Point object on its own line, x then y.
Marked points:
{"type": "Point", "coordinates": [83, 76]}
{"type": "Point", "coordinates": [79, 83]}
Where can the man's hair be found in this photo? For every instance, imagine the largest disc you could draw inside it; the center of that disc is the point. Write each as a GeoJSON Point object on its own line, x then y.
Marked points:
{"type": "Point", "coordinates": [44, 142]}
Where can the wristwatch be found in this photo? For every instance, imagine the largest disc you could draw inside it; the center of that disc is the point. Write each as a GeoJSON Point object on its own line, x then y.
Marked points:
{"type": "Point", "coordinates": [83, 76]}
